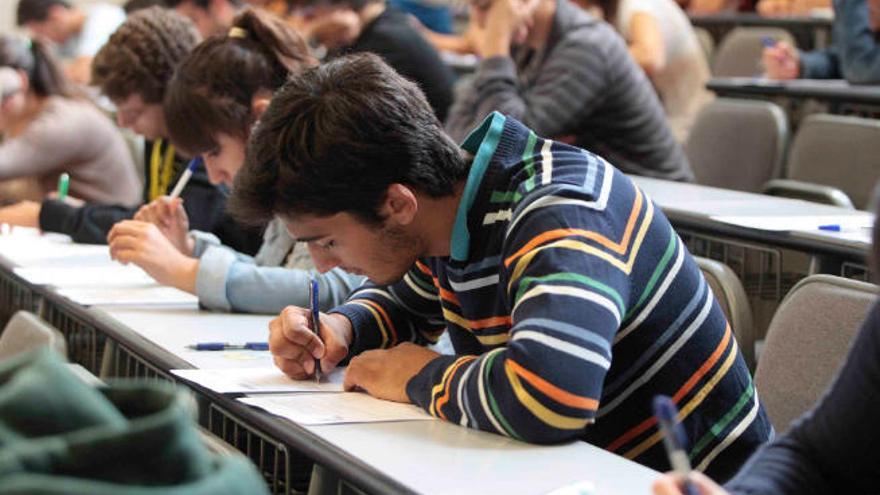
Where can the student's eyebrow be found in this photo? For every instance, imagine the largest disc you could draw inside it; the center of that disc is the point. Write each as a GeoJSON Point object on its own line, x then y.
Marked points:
{"type": "Point", "coordinates": [310, 239]}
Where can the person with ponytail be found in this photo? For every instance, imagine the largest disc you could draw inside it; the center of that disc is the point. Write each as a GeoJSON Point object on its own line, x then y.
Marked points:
{"type": "Point", "coordinates": [215, 97]}
{"type": "Point", "coordinates": [133, 70]}
{"type": "Point", "coordinates": [47, 131]}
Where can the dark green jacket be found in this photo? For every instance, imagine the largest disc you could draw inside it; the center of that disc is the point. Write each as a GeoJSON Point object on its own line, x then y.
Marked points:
{"type": "Point", "coordinates": [58, 435]}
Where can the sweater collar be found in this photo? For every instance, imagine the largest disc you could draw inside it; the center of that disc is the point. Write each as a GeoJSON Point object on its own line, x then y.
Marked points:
{"type": "Point", "coordinates": [481, 143]}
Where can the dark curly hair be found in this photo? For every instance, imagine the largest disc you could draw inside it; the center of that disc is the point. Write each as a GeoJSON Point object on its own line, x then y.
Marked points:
{"type": "Point", "coordinates": [140, 57]}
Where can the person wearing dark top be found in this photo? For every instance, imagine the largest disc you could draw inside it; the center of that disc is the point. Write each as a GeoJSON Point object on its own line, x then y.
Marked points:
{"type": "Point", "coordinates": [133, 69]}
{"type": "Point", "coordinates": [831, 449]}
{"type": "Point", "coordinates": [356, 26]}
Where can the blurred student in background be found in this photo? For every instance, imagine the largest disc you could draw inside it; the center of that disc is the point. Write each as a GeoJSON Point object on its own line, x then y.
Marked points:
{"type": "Point", "coordinates": [354, 26]}
{"type": "Point", "coordinates": [78, 31]}
{"type": "Point", "coordinates": [663, 43]}
{"type": "Point", "coordinates": [210, 16]}
{"type": "Point", "coordinates": [854, 53]}
{"type": "Point", "coordinates": [133, 70]}
{"type": "Point", "coordinates": [567, 75]}
{"type": "Point", "coordinates": [47, 131]}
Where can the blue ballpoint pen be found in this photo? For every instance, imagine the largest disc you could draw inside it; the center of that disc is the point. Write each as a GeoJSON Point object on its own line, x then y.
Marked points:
{"type": "Point", "coordinates": [223, 346]}
{"type": "Point", "coordinates": [675, 440]}
{"type": "Point", "coordinates": [316, 319]}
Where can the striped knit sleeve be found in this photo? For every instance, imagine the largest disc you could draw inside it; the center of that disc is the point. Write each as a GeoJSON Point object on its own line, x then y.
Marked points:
{"type": "Point", "coordinates": [566, 281]}
{"type": "Point", "coordinates": [408, 311]}
{"type": "Point", "coordinates": [570, 85]}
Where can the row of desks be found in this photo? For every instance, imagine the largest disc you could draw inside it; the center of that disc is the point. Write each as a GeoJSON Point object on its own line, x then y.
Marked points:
{"type": "Point", "coordinates": [404, 457]}
{"type": "Point", "coordinates": [400, 457]}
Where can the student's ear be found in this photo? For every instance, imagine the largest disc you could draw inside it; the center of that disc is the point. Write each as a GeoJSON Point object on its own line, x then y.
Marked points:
{"type": "Point", "coordinates": [259, 104]}
{"type": "Point", "coordinates": [401, 204]}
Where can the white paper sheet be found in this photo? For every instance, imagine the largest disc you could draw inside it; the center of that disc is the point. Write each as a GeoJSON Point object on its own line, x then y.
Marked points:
{"type": "Point", "coordinates": [259, 380]}
{"type": "Point", "coordinates": [328, 409]}
{"type": "Point", "coordinates": [129, 296]}
{"type": "Point", "coordinates": [799, 223]}
{"type": "Point", "coordinates": [114, 275]}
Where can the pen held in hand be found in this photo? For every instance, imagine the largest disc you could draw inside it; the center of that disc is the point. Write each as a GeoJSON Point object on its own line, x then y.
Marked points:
{"type": "Point", "coordinates": [223, 346]}
{"type": "Point", "coordinates": [674, 440]}
{"type": "Point", "coordinates": [185, 176]}
{"type": "Point", "coordinates": [315, 319]}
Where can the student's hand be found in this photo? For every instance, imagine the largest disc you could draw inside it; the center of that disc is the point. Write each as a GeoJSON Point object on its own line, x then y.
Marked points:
{"type": "Point", "coordinates": [670, 484]}
{"type": "Point", "coordinates": [295, 346]}
{"type": "Point", "coordinates": [334, 29]}
{"type": "Point", "coordinates": [170, 216]}
{"type": "Point", "coordinates": [23, 214]}
{"type": "Point", "coordinates": [385, 373]}
{"type": "Point", "coordinates": [144, 245]}
{"type": "Point", "coordinates": [782, 61]}
{"type": "Point", "coordinates": [507, 21]}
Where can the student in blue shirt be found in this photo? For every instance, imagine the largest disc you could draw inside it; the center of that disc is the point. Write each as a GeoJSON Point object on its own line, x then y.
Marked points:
{"type": "Point", "coordinates": [217, 93]}
{"type": "Point", "coordinates": [854, 54]}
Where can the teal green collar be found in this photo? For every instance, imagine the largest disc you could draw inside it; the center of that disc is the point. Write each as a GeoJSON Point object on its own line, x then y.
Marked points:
{"type": "Point", "coordinates": [481, 142]}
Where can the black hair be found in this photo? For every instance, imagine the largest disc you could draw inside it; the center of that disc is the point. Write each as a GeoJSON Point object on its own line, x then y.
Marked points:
{"type": "Point", "coordinates": [336, 137]}
{"type": "Point", "coordinates": [36, 10]}
{"type": "Point", "coordinates": [212, 90]}
{"type": "Point", "coordinates": [33, 57]}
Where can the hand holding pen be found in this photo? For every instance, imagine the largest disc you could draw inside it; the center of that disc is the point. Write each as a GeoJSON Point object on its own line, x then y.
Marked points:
{"type": "Point", "coordinates": [781, 60]}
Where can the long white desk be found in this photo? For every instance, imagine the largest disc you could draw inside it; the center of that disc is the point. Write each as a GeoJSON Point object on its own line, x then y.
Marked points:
{"type": "Point", "coordinates": [421, 456]}
{"type": "Point", "coordinates": [694, 206]}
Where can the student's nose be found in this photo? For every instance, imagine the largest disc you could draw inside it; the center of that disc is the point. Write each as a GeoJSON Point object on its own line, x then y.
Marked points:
{"type": "Point", "coordinates": [324, 261]}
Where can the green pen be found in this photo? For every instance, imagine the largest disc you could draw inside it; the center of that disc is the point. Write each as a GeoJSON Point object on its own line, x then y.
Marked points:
{"type": "Point", "coordinates": [63, 185]}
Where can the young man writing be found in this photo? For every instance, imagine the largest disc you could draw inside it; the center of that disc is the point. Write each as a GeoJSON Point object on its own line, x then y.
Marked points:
{"type": "Point", "coordinates": [567, 296]}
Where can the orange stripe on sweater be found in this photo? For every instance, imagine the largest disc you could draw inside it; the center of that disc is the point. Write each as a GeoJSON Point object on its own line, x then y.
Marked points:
{"type": "Point", "coordinates": [617, 247]}
{"type": "Point", "coordinates": [679, 395]}
{"type": "Point", "coordinates": [557, 394]}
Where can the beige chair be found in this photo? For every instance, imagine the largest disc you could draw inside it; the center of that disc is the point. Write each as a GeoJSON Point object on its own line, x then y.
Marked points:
{"type": "Point", "coordinates": [738, 144]}
{"type": "Point", "coordinates": [731, 296]}
{"type": "Point", "coordinates": [707, 44]}
{"type": "Point", "coordinates": [26, 331]}
{"type": "Point", "coordinates": [834, 159]}
{"type": "Point", "coordinates": [806, 343]}
{"type": "Point", "coordinates": [739, 53]}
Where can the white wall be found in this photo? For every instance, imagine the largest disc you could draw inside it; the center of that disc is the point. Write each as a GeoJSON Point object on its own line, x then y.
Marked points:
{"type": "Point", "coordinates": [7, 12]}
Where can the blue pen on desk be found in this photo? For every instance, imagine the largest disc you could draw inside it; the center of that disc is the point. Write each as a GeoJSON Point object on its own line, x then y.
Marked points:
{"type": "Point", "coordinates": [316, 319]}
{"type": "Point", "coordinates": [675, 440]}
{"type": "Point", "coordinates": [223, 346]}
{"type": "Point", "coordinates": [185, 176]}
{"type": "Point", "coordinates": [830, 228]}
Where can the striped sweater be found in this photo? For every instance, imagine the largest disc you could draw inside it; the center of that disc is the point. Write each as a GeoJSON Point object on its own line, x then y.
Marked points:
{"type": "Point", "coordinates": [570, 303]}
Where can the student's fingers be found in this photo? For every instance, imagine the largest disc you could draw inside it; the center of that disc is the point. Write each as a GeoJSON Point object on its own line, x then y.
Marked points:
{"type": "Point", "coordinates": [666, 485]}
{"type": "Point", "coordinates": [296, 329]}
{"type": "Point", "coordinates": [291, 368]}
{"type": "Point", "coordinates": [360, 372]}
{"type": "Point", "coordinates": [671, 484]}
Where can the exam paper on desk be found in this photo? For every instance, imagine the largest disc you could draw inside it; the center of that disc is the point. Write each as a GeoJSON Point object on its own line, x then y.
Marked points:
{"type": "Point", "coordinates": [114, 275]}
{"type": "Point", "coordinates": [340, 408]}
{"type": "Point", "coordinates": [797, 223]}
{"type": "Point", "coordinates": [129, 296]}
{"type": "Point", "coordinates": [259, 380]}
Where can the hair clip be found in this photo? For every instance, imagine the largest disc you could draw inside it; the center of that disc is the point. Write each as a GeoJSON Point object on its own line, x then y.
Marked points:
{"type": "Point", "coordinates": [237, 32]}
